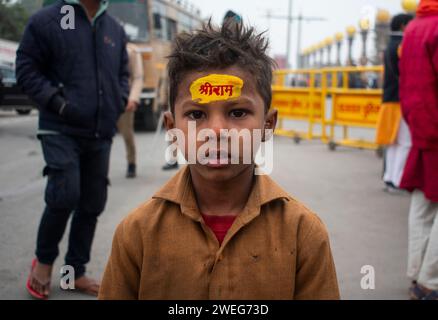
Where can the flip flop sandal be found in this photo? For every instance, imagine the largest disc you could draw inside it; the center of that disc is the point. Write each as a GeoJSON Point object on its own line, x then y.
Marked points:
{"type": "Point", "coordinates": [431, 296]}
{"type": "Point", "coordinates": [29, 288]}
{"type": "Point", "coordinates": [416, 292]}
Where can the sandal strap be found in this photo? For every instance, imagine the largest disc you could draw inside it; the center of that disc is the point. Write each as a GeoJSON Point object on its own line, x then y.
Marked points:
{"type": "Point", "coordinates": [417, 292]}
{"type": "Point", "coordinates": [431, 296]}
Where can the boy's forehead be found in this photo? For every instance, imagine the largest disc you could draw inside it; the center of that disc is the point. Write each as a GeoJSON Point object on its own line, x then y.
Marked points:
{"type": "Point", "coordinates": [190, 77]}
{"type": "Point", "coordinates": [212, 86]}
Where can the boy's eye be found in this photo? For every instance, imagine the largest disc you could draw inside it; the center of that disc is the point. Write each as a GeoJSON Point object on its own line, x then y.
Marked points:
{"type": "Point", "coordinates": [238, 113]}
{"type": "Point", "coordinates": [195, 115]}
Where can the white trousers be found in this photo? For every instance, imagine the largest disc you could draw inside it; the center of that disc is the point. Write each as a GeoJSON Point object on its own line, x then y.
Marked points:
{"type": "Point", "coordinates": [396, 155]}
{"type": "Point", "coordinates": [423, 241]}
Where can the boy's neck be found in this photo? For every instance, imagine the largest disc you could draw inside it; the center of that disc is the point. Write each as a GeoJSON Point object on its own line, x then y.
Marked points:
{"type": "Point", "coordinates": [91, 7]}
{"type": "Point", "coordinates": [221, 198]}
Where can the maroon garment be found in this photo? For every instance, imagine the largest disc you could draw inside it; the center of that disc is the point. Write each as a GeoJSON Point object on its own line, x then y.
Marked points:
{"type": "Point", "coordinates": [419, 101]}
{"type": "Point", "coordinates": [421, 172]}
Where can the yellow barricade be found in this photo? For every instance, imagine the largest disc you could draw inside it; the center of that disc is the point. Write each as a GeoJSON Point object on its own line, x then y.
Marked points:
{"type": "Point", "coordinates": [353, 103]}
{"type": "Point", "coordinates": [300, 102]}
{"type": "Point", "coordinates": [353, 107]}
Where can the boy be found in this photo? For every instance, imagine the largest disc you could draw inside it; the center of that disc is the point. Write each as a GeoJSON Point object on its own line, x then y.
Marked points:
{"type": "Point", "coordinates": [218, 231]}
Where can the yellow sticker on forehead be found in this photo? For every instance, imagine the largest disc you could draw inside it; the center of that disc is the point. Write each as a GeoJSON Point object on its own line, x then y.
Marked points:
{"type": "Point", "coordinates": [216, 87]}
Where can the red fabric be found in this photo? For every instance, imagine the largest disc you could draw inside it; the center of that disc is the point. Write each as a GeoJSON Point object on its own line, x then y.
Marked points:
{"type": "Point", "coordinates": [419, 81]}
{"type": "Point", "coordinates": [427, 7]}
{"type": "Point", "coordinates": [219, 225]}
{"type": "Point", "coordinates": [419, 101]}
{"type": "Point", "coordinates": [421, 172]}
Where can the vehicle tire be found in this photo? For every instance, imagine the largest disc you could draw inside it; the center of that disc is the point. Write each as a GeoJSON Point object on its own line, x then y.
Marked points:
{"type": "Point", "coordinates": [380, 151]}
{"type": "Point", "coordinates": [145, 117]}
{"type": "Point", "coordinates": [23, 112]}
{"type": "Point", "coordinates": [332, 146]}
{"type": "Point", "coordinates": [297, 139]}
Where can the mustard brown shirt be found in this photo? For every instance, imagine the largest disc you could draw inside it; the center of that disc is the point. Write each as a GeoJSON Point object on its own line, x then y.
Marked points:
{"type": "Point", "coordinates": [276, 249]}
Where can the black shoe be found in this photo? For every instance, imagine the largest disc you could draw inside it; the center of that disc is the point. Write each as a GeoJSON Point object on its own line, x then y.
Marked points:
{"type": "Point", "coordinates": [131, 172]}
{"type": "Point", "coordinates": [168, 166]}
{"type": "Point", "coordinates": [392, 189]}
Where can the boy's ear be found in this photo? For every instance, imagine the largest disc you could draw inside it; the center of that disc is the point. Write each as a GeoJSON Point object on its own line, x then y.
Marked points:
{"type": "Point", "coordinates": [270, 123]}
{"type": "Point", "coordinates": [169, 120]}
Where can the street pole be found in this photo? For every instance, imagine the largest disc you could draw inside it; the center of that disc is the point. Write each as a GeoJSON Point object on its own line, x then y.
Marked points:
{"type": "Point", "coordinates": [288, 34]}
{"type": "Point", "coordinates": [290, 18]}
{"type": "Point", "coordinates": [299, 59]}
{"type": "Point", "coordinates": [329, 54]}
{"type": "Point", "coordinates": [351, 32]}
{"type": "Point", "coordinates": [321, 54]}
{"type": "Point", "coordinates": [382, 29]}
{"type": "Point", "coordinates": [364, 29]}
{"type": "Point", "coordinates": [339, 37]}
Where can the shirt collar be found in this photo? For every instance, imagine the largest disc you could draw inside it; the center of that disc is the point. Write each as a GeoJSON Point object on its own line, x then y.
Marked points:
{"type": "Point", "coordinates": [102, 7]}
{"type": "Point", "coordinates": [179, 190]}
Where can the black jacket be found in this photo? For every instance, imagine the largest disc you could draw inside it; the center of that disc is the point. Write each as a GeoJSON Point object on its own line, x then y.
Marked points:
{"type": "Point", "coordinates": [87, 66]}
{"type": "Point", "coordinates": [391, 77]}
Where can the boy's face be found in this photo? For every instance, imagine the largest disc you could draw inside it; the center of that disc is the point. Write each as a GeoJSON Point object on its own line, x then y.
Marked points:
{"type": "Point", "coordinates": [242, 113]}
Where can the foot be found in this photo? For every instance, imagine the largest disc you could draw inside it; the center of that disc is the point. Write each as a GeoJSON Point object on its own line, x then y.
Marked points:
{"type": "Point", "coordinates": [432, 295]}
{"type": "Point", "coordinates": [132, 171]}
{"type": "Point", "coordinates": [87, 285]}
{"type": "Point", "coordinates": [418, 292]}
{"type": "Point", "coordinates": [391, 189]}
{"type": "Point", "coordinates": [40, 277]}
{"type": "Point", "coordinates": [168, 166]}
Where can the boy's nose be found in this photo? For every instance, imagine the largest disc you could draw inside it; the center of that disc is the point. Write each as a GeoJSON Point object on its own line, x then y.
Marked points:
{"type": "Point", "coordinates": [217, 123]}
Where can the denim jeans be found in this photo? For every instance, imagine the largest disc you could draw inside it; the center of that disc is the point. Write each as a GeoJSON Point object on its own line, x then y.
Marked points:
{"type": "Point", "coordinates": [77, 171]}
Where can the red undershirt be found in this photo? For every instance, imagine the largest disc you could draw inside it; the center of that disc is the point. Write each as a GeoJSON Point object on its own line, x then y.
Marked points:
{"type": "Point", "coordinates": [219, 225]}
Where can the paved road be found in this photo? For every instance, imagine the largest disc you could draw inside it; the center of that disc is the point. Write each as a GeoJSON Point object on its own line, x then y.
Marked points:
{"type": "Point", "coordinates": [367, 226]}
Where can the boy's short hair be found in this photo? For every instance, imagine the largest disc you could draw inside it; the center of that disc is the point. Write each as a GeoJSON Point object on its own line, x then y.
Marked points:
{"type": "Point", "coordinates": [232, 44]}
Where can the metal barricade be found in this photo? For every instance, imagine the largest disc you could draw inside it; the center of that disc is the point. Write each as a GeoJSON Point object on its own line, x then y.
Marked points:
{"type": "Point", "coordinates": [330, 97]}
{"type": "Point", "coordinates": [297, 96]}
{"type": "Point", "coordinates": [355, 102]}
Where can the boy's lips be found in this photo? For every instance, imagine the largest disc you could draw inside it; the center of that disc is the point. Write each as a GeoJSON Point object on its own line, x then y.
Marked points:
{"type": "Point", "coordinates": [222, 159]}
{"type": "Point", "coordinates": [216, 163]}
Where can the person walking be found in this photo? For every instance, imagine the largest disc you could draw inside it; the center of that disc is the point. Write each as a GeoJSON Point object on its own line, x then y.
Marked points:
{"type": "Point", "coordinates": [419, 101]}
{"type": "Point", "coordinates": [392, 131]}
{"type": "Point", "coordinates": [78, 76]}
{"type": "Point", "coordinates": [125, 124]}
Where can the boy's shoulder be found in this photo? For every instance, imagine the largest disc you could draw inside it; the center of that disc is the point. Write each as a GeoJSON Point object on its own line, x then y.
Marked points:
{"type": "Point", "coordinates": [307, 223]}
{"type": "Point", "coordinates": [295, 214]}
{"type": "Point", "coordinates": [272, 194]}
{"type": "Point", "coordinates": [166, 199]}
{"type": "Point", "coordinates": [145, 214]}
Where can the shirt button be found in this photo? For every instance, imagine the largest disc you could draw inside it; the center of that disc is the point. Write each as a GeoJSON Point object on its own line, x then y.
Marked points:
{"type": "Point", "coordinates": [101, 92]}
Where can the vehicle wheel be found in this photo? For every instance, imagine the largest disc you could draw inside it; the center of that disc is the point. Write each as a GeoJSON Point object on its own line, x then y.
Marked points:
{"type": "Point", "coordinates": [380, 152]}
{"type": "Point", "coordinates": [297, 139]}
{"type": "Point", "coordinates": [145, 118]}
{"type": "Point", "coordinates": [332, 146]}
{"type": "Point", "coordinates": [23, 112]}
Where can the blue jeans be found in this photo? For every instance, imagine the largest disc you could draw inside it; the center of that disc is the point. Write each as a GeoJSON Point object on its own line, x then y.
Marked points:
{"type": "Point", "coordinates": [77, 171]}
